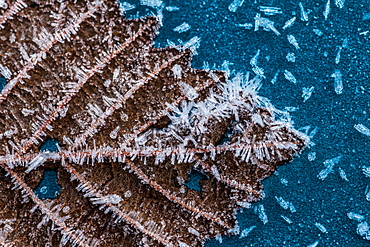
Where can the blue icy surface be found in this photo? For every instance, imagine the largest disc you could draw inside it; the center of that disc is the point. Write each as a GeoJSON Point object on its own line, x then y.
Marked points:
{"type": "Point", "coordinates": [194, 178]}
{"type": "Point", "coordinates": [2, 82]}
{"type": "Point", "coordinates": [323, 80]}
{"type": "Point", "coordinates": [48, 187]}
{"type": "Point", "coordinates": [50, 145]}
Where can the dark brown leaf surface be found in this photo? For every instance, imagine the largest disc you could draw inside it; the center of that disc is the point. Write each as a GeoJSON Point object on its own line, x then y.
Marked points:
{"type": "Point", "coordinates": [133, 121]}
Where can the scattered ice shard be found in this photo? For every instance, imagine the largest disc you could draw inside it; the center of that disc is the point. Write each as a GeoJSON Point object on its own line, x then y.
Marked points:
{"type": "Point", "coordinates": [285, 204]}
{"type": "Point", "coordinates": [151, 3]}
{"type": "Point", "coordinates": [284, 181]}
{"type": "Point", "coordinates": [182, 28]}
{"type": "Point", "coordinates": [290, 57]}
{"type": "Point", "coordinates": [366, 171]}
{"type": "Point", "coordinates": [246, 231]}
{"type": "Point", "coordinates": [275, 77]}
{"type": "Point", "coordinates": [311, 156]}
{"type": "Point", "coordinates": [338, 81]}
{"type": "Point", "coordinates": [246, 25]}
{"type": "Point", "coordinates": [345, 43]}
{"type": "Point", "coordinates": [193, 231]}
{"type": "Point", "coordinates": [339, 3]}
{"type": "Point", "coordinates": [362, 129]}
{"type": "Point", "coordinates": [313, 132]}
{"type": "Point", "coordinates": [288, 220]}
{"type": "Point", "coordinates": [337, 57]}
{"type": "Point", "coordinates": [235, 5]}
{"type": "Point", "coordinates": [193, 44]}
{"type": "Point", "coordinates": [113, 133]}
{"type": "Point", "coordinates": [289, 23]}
{"type": "Point", "coordinates": [259, 71]}
{"type": "Point", "coordinates": [329, 165]}
{"type": "Point", "coordinates": [260, 210]}
{"type": "Point", "coordinates": [321, 227]}
{"type": "Point", "coordinates": [306, 93]}
{"type": "Point", "coordinates": [327, 10]}
{"type": "Point", "coordinates": [363, 230]}
{"type": "Point", "coordinates": [343, 174]}
{"type": "Point", "coordinates": [314, 244]}
{"type": "Point", "coordinates": [304, 16]}
{"type": "Point", "coordinates": [367, 193]}
{"type": "Point", "coordinates": [254, 59]}
{"type": "Point", "coordinates": [356, 217]}
{"type": "Point", "coordinates": [265, 23]}
{"type": "Point", "coordinates": [318, 32]}
{"type": "Point", "coordinates": [293, 41]}
{"type": "Point", "coordinates": [172, 8]}
{"type": "Point", "coordinates": [268, 10]}
{"type": "Point", "coordinates": [289, 76]}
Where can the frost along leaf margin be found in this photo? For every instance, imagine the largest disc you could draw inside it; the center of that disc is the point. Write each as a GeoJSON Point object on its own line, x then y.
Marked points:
{"type": "Point", "coordinates": [132, 122]}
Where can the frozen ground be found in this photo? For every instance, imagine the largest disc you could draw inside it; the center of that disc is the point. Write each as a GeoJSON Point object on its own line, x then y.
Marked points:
{"type": "Point", "coordinates": [314, 57]}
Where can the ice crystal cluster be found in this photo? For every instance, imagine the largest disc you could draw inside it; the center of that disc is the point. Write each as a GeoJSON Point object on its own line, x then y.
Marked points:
{"type": "Point", "coordinates": [132, 121]}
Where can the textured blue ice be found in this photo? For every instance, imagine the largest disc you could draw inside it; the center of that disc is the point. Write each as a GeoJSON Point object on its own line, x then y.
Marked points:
{"type": "Point", "coordinates": [48, 188]}
{"type": "Point", "coordinates": [193, 181]}
{"type": "Point", "coordinates": [2, 82]}
{"type": "Point", "coordinates": [320, 39]}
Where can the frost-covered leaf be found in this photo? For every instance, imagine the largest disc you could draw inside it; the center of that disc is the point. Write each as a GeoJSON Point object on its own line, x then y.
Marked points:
{"type": "Point", "coordinates": [132, 122]}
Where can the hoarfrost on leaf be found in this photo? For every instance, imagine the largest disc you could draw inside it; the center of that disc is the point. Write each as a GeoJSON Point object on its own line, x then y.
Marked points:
{"type": "Point", "coordinates": [125, 6]}
{"type": "Point", "coordinates": [124, 111]}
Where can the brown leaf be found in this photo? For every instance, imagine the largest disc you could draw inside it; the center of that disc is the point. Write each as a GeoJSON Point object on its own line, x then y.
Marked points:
{"type": "Point", "coordinates": [133, 121]}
